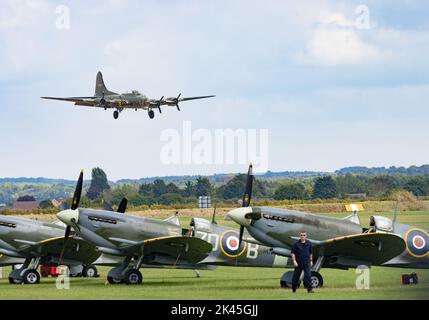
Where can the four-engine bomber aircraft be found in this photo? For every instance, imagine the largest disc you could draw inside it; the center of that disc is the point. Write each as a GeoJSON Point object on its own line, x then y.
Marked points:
{"type": "Point", "coordinates": [145, 242]}
{"type": "Point", "coordinates": [106, 99]}
{"type": "Point", "coordinates": [337, 243]}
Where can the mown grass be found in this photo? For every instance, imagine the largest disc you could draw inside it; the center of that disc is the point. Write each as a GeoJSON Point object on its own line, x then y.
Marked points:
{"type": "Point", "coordinates": [225, 283]}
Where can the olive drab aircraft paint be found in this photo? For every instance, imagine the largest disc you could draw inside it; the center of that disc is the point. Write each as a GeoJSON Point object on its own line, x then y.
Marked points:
{"type": "Point", "coordinates": [106, 99]}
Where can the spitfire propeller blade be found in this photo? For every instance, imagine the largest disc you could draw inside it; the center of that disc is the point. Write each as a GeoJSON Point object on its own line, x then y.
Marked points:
{"type": "Point", "coordinates": [77, 192]}
{"type": "Point", "coordinates": [123, 205]}
{"type": "Point", "coordinates": [240, 237]}
{"type": "Point", "coordinates": [249, 185]}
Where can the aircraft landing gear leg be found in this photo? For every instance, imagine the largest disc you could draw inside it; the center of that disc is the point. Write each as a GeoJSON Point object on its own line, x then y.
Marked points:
{"type": "Point", "coordinates": [133, 276]}
{"type": "Point", "coordinates": [286, 280]}
{"type": "Point", "coordinates": [15, 276]}
{"type": "Point", "coordinates": [116, 114]}
{"type": "Point", "coordinates": [197, 274]}
{"type": "Point", "coordinates": [27, 274]}
{"type": "Point", "coordinates": [316, 277]}
{"type": "Point", "coordinates": [116, 275]}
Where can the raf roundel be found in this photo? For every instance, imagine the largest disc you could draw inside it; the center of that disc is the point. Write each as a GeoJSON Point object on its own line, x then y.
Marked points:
{"type": "Point", "coordinates": [229, 244]}
{"type": "Point", "coordinates": [417, 242]}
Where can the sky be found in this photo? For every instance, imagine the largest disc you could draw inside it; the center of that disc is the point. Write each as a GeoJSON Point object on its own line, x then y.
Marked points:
{"type": "Point", "coordinates": [333, 83]}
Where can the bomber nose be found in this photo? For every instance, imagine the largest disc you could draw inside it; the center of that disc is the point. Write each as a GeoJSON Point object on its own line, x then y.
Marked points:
{"type": "Point", "coordinates": [239, 216]}
{"type": "Point", "coordinates": [69, 217]}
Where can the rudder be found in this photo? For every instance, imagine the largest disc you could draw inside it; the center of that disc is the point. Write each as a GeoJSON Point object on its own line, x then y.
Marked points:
{"type": "Point", "coordinates": [100, 87]}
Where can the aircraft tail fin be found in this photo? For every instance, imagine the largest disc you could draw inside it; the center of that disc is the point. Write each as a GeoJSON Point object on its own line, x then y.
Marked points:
{"type": "Point", "coordinates": [100, 87]}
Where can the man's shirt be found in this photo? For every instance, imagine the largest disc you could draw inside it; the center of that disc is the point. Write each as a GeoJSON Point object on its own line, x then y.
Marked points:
{"type": "Point", "coordinates": [302, 251]}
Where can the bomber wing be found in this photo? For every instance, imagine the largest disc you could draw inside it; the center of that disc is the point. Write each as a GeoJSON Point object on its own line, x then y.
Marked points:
{"type": "Point", "coordinates": [80, 101]}
{"type": "Point", "coordinates": [372, 248]}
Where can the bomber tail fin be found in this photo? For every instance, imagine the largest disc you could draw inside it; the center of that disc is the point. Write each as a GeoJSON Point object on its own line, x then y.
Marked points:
{"type": "Point", "coordinates": [100, 87]}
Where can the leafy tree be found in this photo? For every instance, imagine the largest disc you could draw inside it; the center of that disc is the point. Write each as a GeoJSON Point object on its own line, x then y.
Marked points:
{"type": "Point", "coordinates": [189, 190]}
{"type": "Point", "coordinates": [203, 187]}
{"type": "Point", "coordinates": [419, 186]}
{"type": "Point", "coordinates": [172, 188]}
{"type": "Point", "coordinates": [234, 188]}
{"type": "Point", "coordinates": [290, 191]}
{"type": "Point", "coordinates": [381, 184]}
{"type": "Point", "coordinates": [159, 187]}
{"type": "Point", "coordinates": [324, 188]}
{"type": "Point", "coordinates": [146, 189]}
{"type": "Point", "coordinates": [99, 184]}
{"type": "Point", "coordinates": [350, 183]}
{"type": "Point", "coordinates": [46, 204]}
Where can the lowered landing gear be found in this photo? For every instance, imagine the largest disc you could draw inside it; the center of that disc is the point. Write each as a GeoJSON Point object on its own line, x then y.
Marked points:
{"type": "Point", "coordinates": [151, 114]}
{"type": "Point", "coordinates": [286, 280]}
{"type": "Point", "coordinates": [89, 272]}
{"type": "Point", "coordinates": [26, 274]}
{"type": "Point", "coordinates": [316, 277]}
{"type": "Point", "coordinates": [116, 114]}
{"type": "Point", "coordinates": [126, 273]}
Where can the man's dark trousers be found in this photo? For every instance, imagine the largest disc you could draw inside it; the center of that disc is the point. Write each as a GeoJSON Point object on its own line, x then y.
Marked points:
{"type": "Point", "coordinates": [307, 275]}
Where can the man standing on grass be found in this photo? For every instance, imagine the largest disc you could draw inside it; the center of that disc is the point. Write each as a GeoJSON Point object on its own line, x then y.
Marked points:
{"type": "Point", "coordinates": [302, 259]}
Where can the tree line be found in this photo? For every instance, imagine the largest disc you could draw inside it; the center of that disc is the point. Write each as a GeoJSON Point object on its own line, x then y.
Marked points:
{"type": "Point", "coordinates": [316, 187]}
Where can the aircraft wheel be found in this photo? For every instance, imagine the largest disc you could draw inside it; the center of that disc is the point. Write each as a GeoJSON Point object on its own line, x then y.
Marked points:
{"type": "Point", "coordinates": [133, 277]}
{"type": "Point", "coordinates": [316, 279]}
{"type": "Point", "coordinates": [112, 280]}
{"type": "Point", "coordinates": [15, 281]}
{"type": "Point", "coordinates": [151, 114]}
{"type": "Point", "coordinates": [31, 276]}
{"type": "Point", "coordinates": [90, 272]}
{"type": "Point", "coordinates": [116, 114]}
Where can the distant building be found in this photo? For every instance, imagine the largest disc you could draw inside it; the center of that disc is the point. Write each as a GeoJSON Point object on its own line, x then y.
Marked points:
{"type": "Point", "coordinates": [26, 203]}
{"type": "Point", "coordinates": [204, 202]}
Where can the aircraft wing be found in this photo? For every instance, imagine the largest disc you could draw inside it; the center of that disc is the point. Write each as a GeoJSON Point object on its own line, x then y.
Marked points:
{"type": "Point", "coordinates": [81, 101]}
{"type": "Point", "coordinates": [373, 248]}
{"type": "Point", "coordinates": [75, 249]}
{"type": "Point", "coordinates": [177, 248]}
{"type": "Point", "coordinates": [195, 98]}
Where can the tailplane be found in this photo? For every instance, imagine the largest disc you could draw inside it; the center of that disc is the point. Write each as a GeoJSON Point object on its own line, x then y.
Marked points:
{"type": "Point", "coordinates": [100, 87]}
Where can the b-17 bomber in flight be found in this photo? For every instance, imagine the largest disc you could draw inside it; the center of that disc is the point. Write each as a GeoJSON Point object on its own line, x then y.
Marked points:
{"type": "Point", "coordinates": [106, 99]}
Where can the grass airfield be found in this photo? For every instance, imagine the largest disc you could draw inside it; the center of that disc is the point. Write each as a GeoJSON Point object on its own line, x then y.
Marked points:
{"type": "Point", "coordinates": [224, 283]}
{"type": "Point", "coordinates": [235, 283]}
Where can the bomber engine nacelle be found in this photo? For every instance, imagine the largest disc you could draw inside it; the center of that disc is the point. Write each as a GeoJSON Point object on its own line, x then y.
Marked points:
{"type": "Point", "coordinates": [381, 223]}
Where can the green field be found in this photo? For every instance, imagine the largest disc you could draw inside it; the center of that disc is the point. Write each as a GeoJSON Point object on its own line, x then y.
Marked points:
{"type": "Point", "coordinates": [225, 283]}
{"type": "Point", "coordinates": [234, 282]}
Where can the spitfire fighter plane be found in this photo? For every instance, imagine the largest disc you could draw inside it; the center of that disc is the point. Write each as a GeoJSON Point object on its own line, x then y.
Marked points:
{"type": "Point", "coordinates": [106, 99]}
{"type": "Point", "coordinates": [32, 243]}
{"type": "Point", "coordinates": [129, 243]}
{"type": "Point", "coordinates": [337, 243]}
